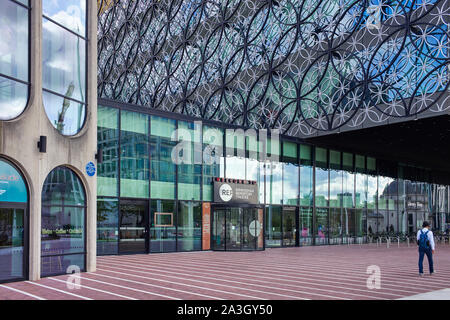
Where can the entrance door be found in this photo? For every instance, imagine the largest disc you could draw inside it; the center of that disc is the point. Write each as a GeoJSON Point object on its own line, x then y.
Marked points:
{"type": "Point", "coordinates": [133, 224]}
{"type": "Point", "coordinates": [289, 229]}
{"type": "Point", "coordinates": [233, 232]}
{"type": "Point", "coordinates": [236, 229]}
{"type": "Point", "coordinates": [12, 244]}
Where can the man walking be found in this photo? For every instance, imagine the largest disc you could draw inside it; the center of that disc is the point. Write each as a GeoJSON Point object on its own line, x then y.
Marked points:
{"type": "Point", "coordinates": [425, 240]}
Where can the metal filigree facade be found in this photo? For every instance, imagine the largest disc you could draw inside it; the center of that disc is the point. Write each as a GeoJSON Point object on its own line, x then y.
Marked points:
{"type": "Point", "coordinates": [306, 67]}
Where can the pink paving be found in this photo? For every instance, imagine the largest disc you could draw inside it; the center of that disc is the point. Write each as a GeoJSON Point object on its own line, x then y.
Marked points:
{"type": "Point", "coordinates": [317, 273]}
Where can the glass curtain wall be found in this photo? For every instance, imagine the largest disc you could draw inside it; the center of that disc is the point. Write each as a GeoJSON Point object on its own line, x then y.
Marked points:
{"type": "Point", "coordinates": [14, 58]}
{"type": "Point", "coordinates": [64, 64]}
{"type": "Point", "coordinates": [311, 195]}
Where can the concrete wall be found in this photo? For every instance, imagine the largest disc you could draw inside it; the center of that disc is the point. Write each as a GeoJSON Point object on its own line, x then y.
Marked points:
{"type": "Point", "coordinates": [18, 141]}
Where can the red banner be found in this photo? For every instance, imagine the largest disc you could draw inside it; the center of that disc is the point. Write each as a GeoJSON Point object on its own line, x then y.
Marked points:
{"type": "Point", "coordinates": [206, 245]}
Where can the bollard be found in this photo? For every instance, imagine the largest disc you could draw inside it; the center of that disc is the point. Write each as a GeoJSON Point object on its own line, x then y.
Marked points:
{"type": "Point", "coordinates": [407, 240]}
{"type": "Point", "coordinates": [398, 242]}
{"type": "Point", "coordinates": [388, 242]}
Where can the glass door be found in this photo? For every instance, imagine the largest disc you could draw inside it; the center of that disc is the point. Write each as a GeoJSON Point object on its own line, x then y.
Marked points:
{"type": "Point", "coordinates": [133, 226]}
{"type": "Point", "coordinates": [289, 228]}
{"type": "Point", "coordinates": [233, 229]}
{"type": "Point", "coordinates": [251, 229]}
{"type": "Point", "coordinates": [12, 244]}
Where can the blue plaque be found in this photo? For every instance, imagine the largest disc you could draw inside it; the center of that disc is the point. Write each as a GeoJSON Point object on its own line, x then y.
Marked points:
{"type": "Point", "coordinates": [90, 169]}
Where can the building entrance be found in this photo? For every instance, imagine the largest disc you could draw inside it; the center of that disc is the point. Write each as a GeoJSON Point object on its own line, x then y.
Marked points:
{"type": "Point", "coordinates": [237, 229]}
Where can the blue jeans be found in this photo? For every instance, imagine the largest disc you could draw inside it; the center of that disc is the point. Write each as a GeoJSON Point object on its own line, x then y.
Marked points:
{"type": "Point", "coordinates": [422, 253]}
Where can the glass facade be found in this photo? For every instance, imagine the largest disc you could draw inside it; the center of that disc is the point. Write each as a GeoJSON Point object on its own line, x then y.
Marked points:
{"type": "Point", "coordinates": [63, 223]}
{"type": "Point", "coordinates": [64, 64]}
{"type": "Point", "coordinates": [310, 195]}
{"type": "Point", "coordinates": [14, 58]}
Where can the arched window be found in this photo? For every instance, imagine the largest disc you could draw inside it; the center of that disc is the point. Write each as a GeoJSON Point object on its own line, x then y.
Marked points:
{"type": "Point", "coordinates": [13, 223]}
{"type": "Point", "coordinates": [14, 57]}
{"type": "Point", "coordinates": [63, 223]}
{"type": "Point", "coordinates": [64, 64]}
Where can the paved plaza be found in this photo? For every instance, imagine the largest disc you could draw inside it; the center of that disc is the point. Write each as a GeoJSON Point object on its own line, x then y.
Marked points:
{"type": "Point", "coordinates": [309, 273]}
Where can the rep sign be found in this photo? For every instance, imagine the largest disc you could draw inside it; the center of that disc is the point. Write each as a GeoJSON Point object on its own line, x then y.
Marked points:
{"type": "Point", "coordinates": [235, 192]}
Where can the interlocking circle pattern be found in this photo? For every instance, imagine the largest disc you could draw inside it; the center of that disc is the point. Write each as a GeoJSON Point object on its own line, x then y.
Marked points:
{"type": "Point", "coordinates": [304, 67]}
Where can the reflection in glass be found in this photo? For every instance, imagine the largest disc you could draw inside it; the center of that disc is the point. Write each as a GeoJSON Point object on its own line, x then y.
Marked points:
{"type": "Point", "coordinates": [273, 226]}
{"type": "Point", "coordinates": [133, 223]}
{"type": "Point", "coordinates": [305, 225]}
{"type": "Point", "coordinates": [11, 243]}
{"type": "Point", "coordinates": [189, 223]}
{"type": "Point", "coordinates": [190, 169]}
{"type": "Point", "coordinates": [162, 166]}
{"type": "Point", "coordinates": [63, 222]}
{"type": "Point", "coordinates": [321, 222]}
{"type": "Point", "coordinates": [108, 144]}
{"type": "Point", "coordinates": [134, 153]}
{"type": "Point", "coordinates": [162, 226]}
{"type": "Point", "coordinates": [70, 13]}
{"type": "Point", "coordinates": [64, 67]}
{"type": "Point", "coordinates": [13, 60]}
{"type": "Point", "coordinates": [213, 160]}
{"type": "Point", "coordinates": [107, 226]}
{"type": "Point", "coordinates": [321, 187]}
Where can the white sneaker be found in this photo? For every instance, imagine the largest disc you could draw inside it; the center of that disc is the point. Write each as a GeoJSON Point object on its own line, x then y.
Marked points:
{"type": "Point", "coordinates": [420, 274]}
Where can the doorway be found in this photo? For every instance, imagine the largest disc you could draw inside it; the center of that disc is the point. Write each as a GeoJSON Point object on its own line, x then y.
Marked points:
{"type": "Point", "coordinates": [236, 229]}
{"type": "Point", "coordinates": [133, 227]}
{"type": "Point", "coordinates": [12, 242]}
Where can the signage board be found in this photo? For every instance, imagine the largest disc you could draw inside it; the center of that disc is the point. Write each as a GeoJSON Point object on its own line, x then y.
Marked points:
{"type": "Point", "coordinates": [12, 186]}
{"type": "Point", "coordinates": [235, 193]}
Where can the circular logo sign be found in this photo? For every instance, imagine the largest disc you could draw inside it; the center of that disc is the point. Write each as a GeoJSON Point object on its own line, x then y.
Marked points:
{"type": "Point", "coordinates": [255, 228]}
{"type": "Point", "coordinates": [90, 169]}
{"type": "Point", "coordinates": [226, 193]}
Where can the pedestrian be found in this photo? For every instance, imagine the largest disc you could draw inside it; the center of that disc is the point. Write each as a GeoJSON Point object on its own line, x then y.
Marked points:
{"type": "Point", "coordinates": [425, 241]}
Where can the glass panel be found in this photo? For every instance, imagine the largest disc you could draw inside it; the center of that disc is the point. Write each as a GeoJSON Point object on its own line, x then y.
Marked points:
{"type": "Point", "coordinates": [163, 168]}
{"type": "Point", "coordinates": [289, 229]}
{"type": "Point", "coordinates": [250, 229]}
{"type": "Point", "coordinates": [336, 194]}
{"type": "Point", "coordinates": [361, 191]}
{"type": "Point", "coordinates": [213, 160]}
{"type": "Point", "coordinates": [290, 184]}
{"type": "Point", "coordinates": [162, 226]}
{"type": "Point", "coordinates": [305, 225]}
{"type": "Point", "coordinates": [13, 98]}
{"type": "Point", "coordinates": [107, 226]}
{"type": "Point", "coordinates": [64, 62]}
{"type": "Point", "coordinates": [70, 13]}
{"type": "Point", "coordinates": [235, 151]}
{"type": "Point", "coordinates": [66, 115]}
{"type": "Point", "coordinates": [189, 223]}
{"type": "Point", "coordinates": [321, 187]}
{"type": "Point", "coordinates": [218, 232]}
{"type": "Point", "coordinates": [348, 195]}
{"type": "Point", "coordinates": [273, 226]}
{"type": "Point", "coordinates": [63, 222]}
{"type": "Point", "coordinates": [55, 265]}
{"type": "Point", "coordinates": [108, 143]}
{"type": "Point", "coordinates": [321, 233]}
{"type": "Point", "coordinates": [336, 225]}
{"type": "Point", "coordinates": [133, 228]}
{"type": "Point", "coordinates": [190, 168]}
{"type": "Point", "coordinates": [274, 182]}
{"type": "Point", "coordinates": [14, 44]}
{"type": "Point", "coordinates": [306, 186]}
{"type": "Point", "coordinates": [12, 185]}
{"type": "Point", "coordinates": [134, 155]}
{"type": "Point", "coordinates": [233, 229]}
{"type": "Point", "coordinates": [11, 243]}
{"type": "Point", "coordinates": [63, 230]}
{"type": "Point", "coordinates": [63, 187]}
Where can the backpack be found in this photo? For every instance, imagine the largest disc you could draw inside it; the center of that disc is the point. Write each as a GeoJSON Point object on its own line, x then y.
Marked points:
{"type": "Point", "coordinates": [424, 243]}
